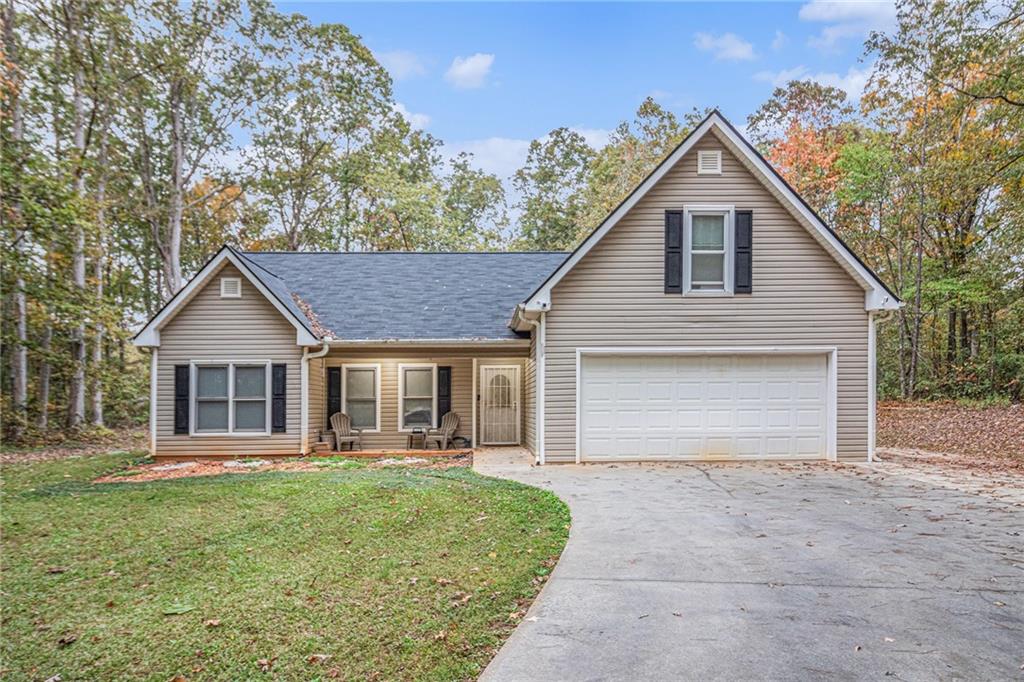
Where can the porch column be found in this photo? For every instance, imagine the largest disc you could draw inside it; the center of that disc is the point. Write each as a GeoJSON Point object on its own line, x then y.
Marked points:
{"type": "Point", "coordinates": [472, 438]}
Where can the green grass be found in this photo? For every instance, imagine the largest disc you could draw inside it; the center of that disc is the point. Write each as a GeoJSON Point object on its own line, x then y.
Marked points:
{"type": "Point", "coordinates": [351, 563]}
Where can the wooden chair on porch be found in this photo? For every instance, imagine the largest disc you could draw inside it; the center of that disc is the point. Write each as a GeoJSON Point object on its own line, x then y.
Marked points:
{"type": "Point", "coordinates": [443, 436]}
{"type": "Point", "coordinates": [341, 424]}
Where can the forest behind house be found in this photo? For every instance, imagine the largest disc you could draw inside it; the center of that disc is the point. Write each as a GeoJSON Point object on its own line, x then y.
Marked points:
{"type": "Point", "coordinates": [123, 170]}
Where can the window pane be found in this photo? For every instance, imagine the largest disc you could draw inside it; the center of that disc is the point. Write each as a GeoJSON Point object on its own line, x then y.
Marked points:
{"type": "Point", "coordinates": [212, 382]}
{"type": "Point", "coordinates": [212, 415]}
{"type": "Point", "coordinates": [251, 415]}
{"type": "Point", "coordinates": [363, 413]}
{"type": "Point", "coordinates": [250, 382]}
{"type": "Point", "coordinates": [708, 232]}
{"type": "Point", "coordinates": [360, 383]}
{"type": "Point", "coordinates": [708, 267]}
{"type": "Point", "coordinates": [418, 412]}
{"type": "Point", "coordinates": [419, 382]}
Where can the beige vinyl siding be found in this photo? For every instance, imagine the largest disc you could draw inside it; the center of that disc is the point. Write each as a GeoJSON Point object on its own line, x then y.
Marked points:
{"type": "Point", "coordinates": [230, 330]}
{"type": "Point", "coordinates": [317, 398]}
{"type": "Point", "coordinates": [461, 362]}
{"type": "Point", "coordinates": [615, 297]}
{"type": "Point", "coordinates": [530, 397]}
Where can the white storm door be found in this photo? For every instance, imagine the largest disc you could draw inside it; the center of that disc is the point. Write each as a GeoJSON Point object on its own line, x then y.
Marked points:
{"type": "Point", "coordinates": [499, 405]}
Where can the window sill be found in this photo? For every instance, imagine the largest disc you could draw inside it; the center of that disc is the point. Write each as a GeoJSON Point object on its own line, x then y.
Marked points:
{"type": "Point", "coordinates": [709, 294]}
{"type": "Point", "coordinates": [233, 434]}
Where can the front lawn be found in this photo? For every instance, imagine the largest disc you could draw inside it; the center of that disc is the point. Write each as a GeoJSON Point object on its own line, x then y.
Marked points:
{"type": "Point", "coordinates": [353, 573]}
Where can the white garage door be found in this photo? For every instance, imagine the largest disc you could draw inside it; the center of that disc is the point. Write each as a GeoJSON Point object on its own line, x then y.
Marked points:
{"type": "Point", "coordinates": [703, 407]}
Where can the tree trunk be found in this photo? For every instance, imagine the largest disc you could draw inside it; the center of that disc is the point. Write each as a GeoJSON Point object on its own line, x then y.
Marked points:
{"type": "Point", "coordinates": [96, 394]}
{"type": "Point", "coordinates": [43, 383]}
{"type": "Point", "coordinates": [172, 259]}
{"type": "Point", "coordinates": [950, 340]}
{"type": "Point", "coordinates": [76, 387]}
{"type": "Point", "coordinates": [19, 351]}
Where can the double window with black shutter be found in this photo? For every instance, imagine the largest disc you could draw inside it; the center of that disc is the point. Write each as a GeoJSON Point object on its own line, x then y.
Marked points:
{"type": "Point", "coordinates": [424, 394]}
{"type": "Point", "coordinates": [708, 251]}
{"type": "Point", "coordinates": [230, 398]}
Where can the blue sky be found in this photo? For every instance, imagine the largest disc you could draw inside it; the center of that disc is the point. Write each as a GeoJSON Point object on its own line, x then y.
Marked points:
{"type": "Point", "coordinates": [490, 77]}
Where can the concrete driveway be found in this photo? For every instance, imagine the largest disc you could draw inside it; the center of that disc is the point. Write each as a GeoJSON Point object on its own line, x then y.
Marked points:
{"type": "Point", "coordinates": [768, 571]}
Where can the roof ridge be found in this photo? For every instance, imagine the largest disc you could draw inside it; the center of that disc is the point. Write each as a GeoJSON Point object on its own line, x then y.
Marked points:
{"type": "Point", "coordinates": [245, 256]}
{"type": "Point", "coordinates": [410, 253]}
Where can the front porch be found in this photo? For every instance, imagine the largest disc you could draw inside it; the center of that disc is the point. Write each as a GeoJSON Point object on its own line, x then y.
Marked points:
{"type": "Point", "coordinates": [394, 392]}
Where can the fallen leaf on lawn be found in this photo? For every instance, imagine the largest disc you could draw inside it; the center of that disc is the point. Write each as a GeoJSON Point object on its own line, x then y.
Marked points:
{"type": "Point", "coordinates": [179, 678]}
{"type": "Point", "coordinates": [58, 678]}
{"type": "Point", "coordinates": [265, 664]}
{"type": "Point", "coordinates": [317, 659]}
{"type": "Point", "coordinates": [413, 581]}
{"type": "Point", "coordinates": [516, 615]}
{"type": "Point", "coordinates": [492, 555]}
{"type": "Point", "coordinates": [178, 609]}
{"type": "Point", "coordinates": [56, 569]}
{"type": "Point", "coordinates": [67, 640]}
{"type": "Point", "coordinates": [461, 598]}
{"type": "Point", "coordinates": [212, 623]}
{"type": "Point", "coordinates": [110, 604]}
{"type": "Point", "coordinates": [443, 581]}
{"type": "Point", "coordinates": [441, 635]}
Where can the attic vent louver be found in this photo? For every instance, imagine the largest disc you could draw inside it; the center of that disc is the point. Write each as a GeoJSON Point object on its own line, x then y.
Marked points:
{"type": "Point", "coordinates": [709, 162]}
{"type": "Point", "coordinates": [230, 287]}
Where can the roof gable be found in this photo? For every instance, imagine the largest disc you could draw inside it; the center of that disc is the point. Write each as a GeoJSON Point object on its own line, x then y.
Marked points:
{"type": "Point", "coordinates": [265, 282]}
{"type": "Point", "coordinates": [877, 295]}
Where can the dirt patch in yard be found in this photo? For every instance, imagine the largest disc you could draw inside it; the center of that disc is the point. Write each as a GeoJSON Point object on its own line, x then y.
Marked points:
{"type": "Point", "coordinates": [165, 471]}
{"type": "Point", "coordinates": [978, 434]}
{"type": "Point", "coordinates": [90, 443]}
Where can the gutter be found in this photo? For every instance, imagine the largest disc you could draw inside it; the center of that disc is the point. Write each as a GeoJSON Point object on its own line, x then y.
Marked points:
{"type": "Point", "coordinates": [304, 392]}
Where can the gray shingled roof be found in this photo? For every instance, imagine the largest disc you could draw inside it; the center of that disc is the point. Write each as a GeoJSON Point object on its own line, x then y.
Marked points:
{"type": "Point", "coordinates": [413, 296]}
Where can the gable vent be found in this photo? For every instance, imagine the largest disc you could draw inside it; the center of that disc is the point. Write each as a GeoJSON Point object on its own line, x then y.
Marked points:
{"type": "Point", "coordinates": [230, 287]}
{"type": "Point", "coordinates": [709, 162]}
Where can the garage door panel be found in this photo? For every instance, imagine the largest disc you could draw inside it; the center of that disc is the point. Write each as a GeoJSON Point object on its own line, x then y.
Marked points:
{"type": "Point", "coordinates": [703, 407]}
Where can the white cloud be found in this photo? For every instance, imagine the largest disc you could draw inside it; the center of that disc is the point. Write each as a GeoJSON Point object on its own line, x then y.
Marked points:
{"type": "Point", "coordinates": [846, 20]}
{"type": "Point", "coordinates": [502, 156]}
{"type": "Point", "coordinates": [595, 137]}
{"type": "Point", "coordinates": [417, 121]}
{"type": "Point", "coordinates": [852, 82]}
{"type": "Point", "coordinates": [402, 64]}
{"type": "Point", "coordinates": [727, 46]}
{"type": "Point", "coordinates": [779, 40]}
{"type": "Point", "coordinates": [470, 72]}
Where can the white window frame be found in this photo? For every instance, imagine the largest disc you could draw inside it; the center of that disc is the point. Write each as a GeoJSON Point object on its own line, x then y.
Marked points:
{"type": "Point", "coordinates": [729, 222]}
{"type": "Point", "coordinates": [238, 284]}
{"type": "Point", "coordinates": [376, 391]}
{"type": "Point", "coordinates": [230, 364]}
{"type": "Point", "coordinates": [401, 394]}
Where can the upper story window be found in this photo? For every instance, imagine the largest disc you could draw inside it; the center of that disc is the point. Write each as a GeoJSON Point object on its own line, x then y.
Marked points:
{"type": "Point", "coordinates": [709, 162]}
{"type": "Point", "coordinates": [230, 287]}
{"type": "Point", "coordinates": [708, 252]}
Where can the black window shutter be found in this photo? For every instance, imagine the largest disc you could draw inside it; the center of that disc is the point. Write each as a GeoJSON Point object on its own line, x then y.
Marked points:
{"type": "Point", "coordinates": [673, 252]}
{"type": "Point", "coordinates": [181, 376]}
{"type": "Point", "coordinates": [444, 391]}
{"type": "Point", "coordinates": [279, 395]}
{"type": "Point", "coordinates": [333, 392]}
{"type": "Point", "coordinates": [744, 280]}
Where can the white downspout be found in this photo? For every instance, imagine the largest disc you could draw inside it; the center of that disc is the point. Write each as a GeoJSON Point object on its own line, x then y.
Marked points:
{"type": "Point", "coordinates": [539, 327]}
{"type": "Point", "coordinates": [304, 393]}
{"type": "Point", "coordinates": [872, 385]}
{"type": "Point", "coordinates": [153, 366]}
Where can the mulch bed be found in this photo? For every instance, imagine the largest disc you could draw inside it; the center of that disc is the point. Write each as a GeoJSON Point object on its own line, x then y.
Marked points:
{"type": "Point", "coordinates": [165, 471]}
{"type": "Point", "coordinates": [995, 432]}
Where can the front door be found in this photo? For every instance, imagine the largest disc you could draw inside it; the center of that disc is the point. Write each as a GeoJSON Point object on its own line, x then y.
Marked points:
{"type": "Point", "coordinates": [499, 409]}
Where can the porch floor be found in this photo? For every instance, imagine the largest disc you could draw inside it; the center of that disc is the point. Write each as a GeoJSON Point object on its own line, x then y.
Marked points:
{"type": "Point", "coordinates": [396, 452]}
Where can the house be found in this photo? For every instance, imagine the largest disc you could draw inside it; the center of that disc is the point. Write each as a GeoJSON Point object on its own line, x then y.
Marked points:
{"type": "Point", "coordinates": [711, 315]}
